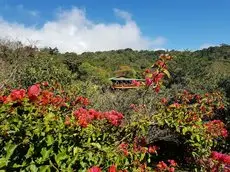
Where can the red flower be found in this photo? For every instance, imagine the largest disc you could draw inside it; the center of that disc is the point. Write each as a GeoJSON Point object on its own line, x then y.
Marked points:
{"type": "Point", "coordinates": [147, 71]}
{"type": "Point", "coordinates": [115, 118]}
{"type": "Point", "coordinates": [124, 148]}
{"type": "Point", "coordinates": [224, 132]}
{"type": "Point", "coordinates": [94, 169]}
{"type": "Point", "coordinates": [82, 100]}
{"type": "Point", "coordinates": [34, 91]}
{"type": "Point", "coordinates": [83, 117]}
{"type": "Point", "coordinates": [171, 169]}
{"type": "Point", "coordinates": [45, 84]}
{"type": "Point", "coordinates": [172, 163]}
{"type": "Point", "coordinates": [16, 95]}
{"type": "Point", "coordinates": [216, 155]}
{"type": "Point", "coordinates": [46, 97]}
{"type": "Point", "coordinates": [216, 128]}
{"type": "Point", "coordinates": [158, 77]}
{"type": "Point", "coordinates": [162, 166]}
{"type": "Point", "coordinates": [112, 168]}
{"type": "Point", "coordinates": [161, 64]}
{"type": "Point", "coordinates": [225, 159]}
{"type": "Point", "coordinates": [58, 101]}
{"type": "Point", "coordinates": [3, 98]}
{"type": "Point", "coordinates": [152, 149]}
{"type": "Point", "coordinates": [157, 89]}
{"type": "Point", "coordinates": [83, 122]}
{"type": "Point", "coordinates": [148, 81]}
{"type": "Point", "coordinates": [136, 83]}
{"type": "Point", "coordinates": [95, 114]}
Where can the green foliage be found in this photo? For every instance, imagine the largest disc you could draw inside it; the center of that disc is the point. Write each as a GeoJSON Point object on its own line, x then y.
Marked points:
{"type": "Point", "coordinates": [125, 71]}
{"type": "Point", "coordinates": [37, 138]}
{"type": "Point", "coordinates": [91, 73]}
{"type": "Point", "coordinates": [44, 67]}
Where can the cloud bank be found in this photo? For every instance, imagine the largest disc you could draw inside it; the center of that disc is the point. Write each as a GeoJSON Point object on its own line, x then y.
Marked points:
{"type": "Point", "coordinates": [72, 31]}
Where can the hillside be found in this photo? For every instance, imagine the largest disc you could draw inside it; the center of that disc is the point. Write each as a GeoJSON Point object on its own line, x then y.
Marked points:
{"type": "Point", "coordinates": [187, 107]}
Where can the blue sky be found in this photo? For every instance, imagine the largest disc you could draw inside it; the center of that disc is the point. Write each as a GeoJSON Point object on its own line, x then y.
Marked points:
{"type": "Point", "coordinates": [149, 24]}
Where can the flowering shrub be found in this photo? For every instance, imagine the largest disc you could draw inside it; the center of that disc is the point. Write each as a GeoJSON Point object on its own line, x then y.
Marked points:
{"type": "Point", "coordinates": [43, 128]}
{"type": "Point", "coordinates": [154, 78]}
{"type": "Point", "coordinates": [191, 115]}
{"type": "Point", "coordinates": [162, 166]}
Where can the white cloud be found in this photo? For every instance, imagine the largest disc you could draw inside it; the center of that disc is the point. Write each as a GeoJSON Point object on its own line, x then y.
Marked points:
{"type": "Point", "coordinates": [206, 45]}
{"type": "Point", "coordinates": [73, 31]}
{"type": "Point", "coordinates": [123, 14]}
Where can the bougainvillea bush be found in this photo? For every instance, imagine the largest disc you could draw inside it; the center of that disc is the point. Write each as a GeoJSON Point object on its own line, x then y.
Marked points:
{"type": "Point", "coordinates": [44, 128]}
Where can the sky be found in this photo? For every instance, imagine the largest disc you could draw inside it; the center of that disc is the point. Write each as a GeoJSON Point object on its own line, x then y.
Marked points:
{"type": "Point", "coordinates": [101, 25]}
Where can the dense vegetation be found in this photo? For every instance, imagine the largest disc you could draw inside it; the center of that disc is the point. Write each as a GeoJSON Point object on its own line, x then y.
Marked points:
{"type": "Point", "coordinates": [58, 112]}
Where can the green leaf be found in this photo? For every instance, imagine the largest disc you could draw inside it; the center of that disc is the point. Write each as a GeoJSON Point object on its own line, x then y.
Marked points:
{"type": "Point", "coordinates": [33, 168]}
{"type": "Point", "coordinates": [30, 151]}
{"type": "Point", "coordinates": [45, 153]}
{"type": "Point", "coordinates": [97, 145]}
{"type": "Point", "coordinates": [198, 138]}
{"type": "Point", "coordinates": [44, 168]}
{"type": "Point", "coordinates": [3, 162]}
{"type": "Point", "coordinates": [76, 150]}
{"type": "Point", "coordinates": [60, 156]}
{"type": "Point", "coordinates": [49, 140]}
{"type": "Point", "coordinates": [167, 73]}
{"type": "Point", "coordinates": [10, 149]}
{"type": "Point", "coordinates": [142, 156]}
{"type": "Point", "coordinates": [184, 130]}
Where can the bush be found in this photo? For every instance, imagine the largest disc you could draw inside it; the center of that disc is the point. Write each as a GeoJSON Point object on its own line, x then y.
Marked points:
{"type": "Point", "coordinates": [44, 128]}
{"type": "Point", "coordinates": [44, 67]}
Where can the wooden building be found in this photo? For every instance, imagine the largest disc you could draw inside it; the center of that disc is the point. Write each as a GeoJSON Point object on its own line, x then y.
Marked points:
{"type": "Point", "coordinates": [125, 83]}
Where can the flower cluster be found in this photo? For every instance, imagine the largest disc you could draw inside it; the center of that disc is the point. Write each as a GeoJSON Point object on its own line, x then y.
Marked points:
{"type": "Point", "coordinates": [192, 115]}
{"type": "Point", "coordinates": [154, 78]}
{"type": "Point", "coordinates": [38, 96]}
{"type": "Point", "coordinates": [94, 169]}
{"type": "Point", "coordinates": [112, 168]}
{"type": "Point", "coordinates": [81, 100]}
{"type": "Point", "coordinates": [124, 148]}
{"type": "Point", "coordinates": [216, 128]}
{"type": "Point", "coordinates": [136, 83]}
{"type": "Point", "coordinates": [162, 166]}
{"type": "Point", "coordinates": [223, 158]}
{"type": "Point", "coordinates": [15, 95]}
{"type": "Point", "coordinates": [217, 162]}
{"type": "Point", "coordinates": [35, 95]}
{"type": "Point", "coordinates": [85, 117]}
{"type": "Point", "coordinates": [205, 105]}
